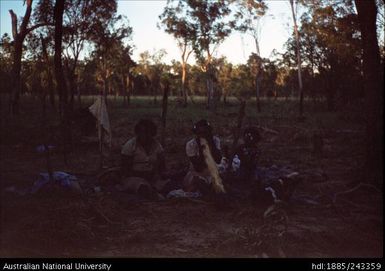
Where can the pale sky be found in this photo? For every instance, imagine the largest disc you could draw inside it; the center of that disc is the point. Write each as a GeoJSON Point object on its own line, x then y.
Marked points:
{"type": "Point", "coordinates": [143, 18]}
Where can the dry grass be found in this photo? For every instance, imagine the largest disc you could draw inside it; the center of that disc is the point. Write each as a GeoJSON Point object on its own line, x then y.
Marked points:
{"type": "Point", "coordinates": [55, 223]}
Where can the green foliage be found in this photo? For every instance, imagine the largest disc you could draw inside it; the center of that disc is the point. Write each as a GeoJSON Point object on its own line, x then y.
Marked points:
{"type": "Point", "coordinates": [330, 41]}
{"type": "Point", "coordinates": [5, 63]}
{"type": "Point", "coordinates": [331, 51]}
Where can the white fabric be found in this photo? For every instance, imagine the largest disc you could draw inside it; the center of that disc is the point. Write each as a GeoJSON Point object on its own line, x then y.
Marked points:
{"type": "Point", "coordinates": [99, 110]}
{"type": "Point", "coordinates": [212, 167]}
{"type": "Point", "coordinates": [192, 148]}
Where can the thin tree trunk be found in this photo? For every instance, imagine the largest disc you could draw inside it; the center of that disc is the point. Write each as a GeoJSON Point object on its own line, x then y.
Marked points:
{"type": "Point", "coordinates": [210, 87]}
{"type": "Point", "coordinates": [184, 91]}
{"type": "Point", "coordinates": [105, 89]}
{"type": "Point", "coordinates": [69, 79]}
{"type": "Point", "coordinates": [166, 90]}
{"type": "Point", "coordinates": [298, 60]}
{"type": "Point", "coordinates": [124, 85]}
{"type": "Point", "coordinates": [60, 82]}
{"type": "Point", "coordinates": [49, 73]}
{"type": "Point", "coordinates": [373, 84]}
{"type": "Point", "coordinates": [16, 82]}
{"type": "Point", "coordinates": [210, 92]}
{"type": "Point", "coordinates": [257, 93]}
{"type": "Point", "coordinates": [130, 87]}
{"type": "Point", "coordinates": [209, 81]}
{"type": "Point", "coordinates": [154, 87]}
{"type": "Point", "coordinates": [79, 95]}
{"type": "Point", "coordinates": [257, 77]}
{"type": "Point", "coordinates": [101, 138]}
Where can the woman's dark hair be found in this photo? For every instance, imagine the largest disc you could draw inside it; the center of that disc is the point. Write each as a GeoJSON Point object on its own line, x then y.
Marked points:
{"type": "Point", "coordinates": [202, 124]}
{"type": "Point", "coordinates": [148, 125]}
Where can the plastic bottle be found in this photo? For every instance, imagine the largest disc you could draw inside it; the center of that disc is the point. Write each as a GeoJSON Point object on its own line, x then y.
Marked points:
{"type": "Point", "coordinates": [236, 163]}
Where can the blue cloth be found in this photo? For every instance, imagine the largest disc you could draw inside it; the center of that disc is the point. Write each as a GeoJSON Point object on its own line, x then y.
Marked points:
{"type": "Point", "coordinates": [264, 175]}
{"type": "Point", "coordinates": [62, 178]}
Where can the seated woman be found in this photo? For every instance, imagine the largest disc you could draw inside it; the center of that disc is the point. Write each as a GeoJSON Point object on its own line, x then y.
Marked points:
{"type": "Point", "coordinates": [248, 154]}
{"type": "Point", "coordinates": [202, 176]}
{"type": "Point", "coordinates": [267, 185]}
{"type": "Point", "coordinates": [143, 162]}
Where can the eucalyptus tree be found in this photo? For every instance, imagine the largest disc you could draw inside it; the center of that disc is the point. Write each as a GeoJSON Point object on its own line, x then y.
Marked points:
{"type": "Point", "coordinates": [330, 49]}
{"type": "Point", "coordinates": [106, 37]}
{"type": "Point", "coordinates": [175, 22]}
{"type": "Point", "coordinates": [58, 38]}
{"type": "Point", "coordinates": [151, 66]}
{"type": "Point", "coordinates": [81, 20]}
{"type": "Point", "coordinates": [19, 33]}
{"type": "Point", "coordinates": [211, 23]}
{"type": "Point", "coordinates": [123, 67]}
{"type": "Point", "coordinates": [249, 14]}
{"type": "Point", "coordinates": [374, 91]}
{"type": "Point", "coordinates": [294, 9]}
{"type": "Point", "coordinates": [225, 72]}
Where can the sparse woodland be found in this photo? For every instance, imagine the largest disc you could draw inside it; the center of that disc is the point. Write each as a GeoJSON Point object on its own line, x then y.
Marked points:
{"type": "Point", "coordinates": [318, 105]}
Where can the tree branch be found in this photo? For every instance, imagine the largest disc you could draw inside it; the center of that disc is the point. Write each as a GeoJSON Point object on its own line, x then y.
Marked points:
{"type": "Point", "coordinates": [24, 24]}
{"type": "Point", "coordinates": [37, 26]}
{"type": "Point", "coordinates": [14, 23]}
{"type": "Point", "coordinates": [188, 54]}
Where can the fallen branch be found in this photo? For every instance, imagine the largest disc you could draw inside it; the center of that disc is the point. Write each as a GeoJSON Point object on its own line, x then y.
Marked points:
{"type": "Point", "coordinates": [354, 189]}
{"type": "Point", "coordinates": [268, 130]}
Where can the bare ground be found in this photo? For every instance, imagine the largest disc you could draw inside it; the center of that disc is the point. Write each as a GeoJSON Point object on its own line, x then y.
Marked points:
{"type": "Point", "coordinates": [56, 223]}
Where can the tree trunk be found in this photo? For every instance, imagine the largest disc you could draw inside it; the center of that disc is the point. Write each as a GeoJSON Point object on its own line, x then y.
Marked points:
{"type": "Point", "coordinates": [16, 83]}
{"type": "Point", "coordinates": [210, 86]}
{"type": "Point", "coordinates": [18, 39]}
{"type": "Point", "coordinates": [257, 93]}
{"type": "Point", "coordinates": [184, 91]}
{"type": "Point", "coordinates": [49, 73]}
{"type": "Point", "coordinates": [373, 83]}
{"type": "Point", "coordinates": [210, 92]}
{"type": "Point", "coordinates": [298, 60]}
{"type": "Point", "coordinates": [257, 76]}
{"type": "Point", "coordinates": [166, 89]}
{"type": "Point", "coordinates": [70, 83]}
{"type": "Point", "coordinates": [60, 82]}
{"type": "Point", "coordinates": [124, 85]}
{"type": "Point", "coordinates": [79, 96]}
{"type": "Point", "coordinates": [154, 83]}
{"type": "Point", "coordinates": [130, 87]}
{"type": "Point", "coordinates": [18, 36]}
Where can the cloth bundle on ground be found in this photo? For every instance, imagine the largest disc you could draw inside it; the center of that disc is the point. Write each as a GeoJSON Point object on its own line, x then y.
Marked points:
{"type": "Point", "coordinates": [180, 193]}
{"type": "Point", "coordinates": [61, 178]}
{"type": "Point", "coordinates": [278, 183]}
